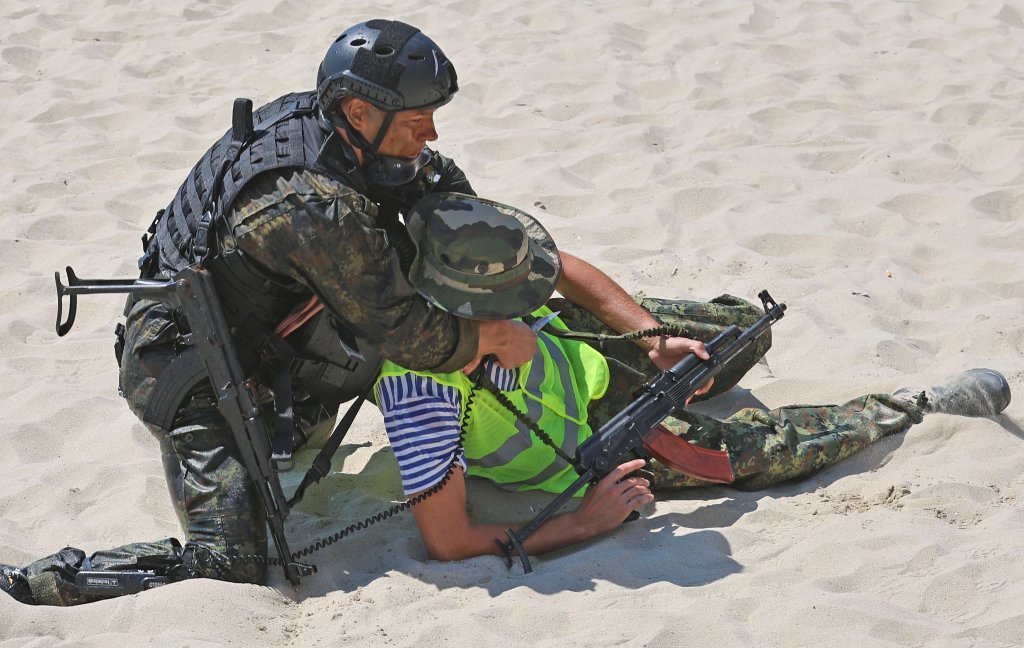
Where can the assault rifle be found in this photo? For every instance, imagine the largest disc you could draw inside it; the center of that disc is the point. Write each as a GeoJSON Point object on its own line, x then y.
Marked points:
{"type": "Point", "coordinates": [192, 292]}
{"type": "Point", "coordinates": [637, 429]}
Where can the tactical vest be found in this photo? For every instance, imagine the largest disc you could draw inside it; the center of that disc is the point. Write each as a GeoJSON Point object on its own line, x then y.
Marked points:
{"type": "Point", "coordinates": [287, 133]}
{"type": "Point", "coordinates": [555, 390]}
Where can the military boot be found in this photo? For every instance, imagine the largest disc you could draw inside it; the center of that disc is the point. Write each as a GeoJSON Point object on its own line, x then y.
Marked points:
{"type": "Point", "coordinates": [14, 582]}
{"type": "Point", "coordinates": [976, 392]}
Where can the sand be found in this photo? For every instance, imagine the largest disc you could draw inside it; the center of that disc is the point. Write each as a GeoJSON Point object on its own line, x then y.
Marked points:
{"type": "Point", "coordinates": [862, 160]}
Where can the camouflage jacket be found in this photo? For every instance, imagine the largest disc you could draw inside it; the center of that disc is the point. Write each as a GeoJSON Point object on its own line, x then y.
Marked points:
{"type": "Point", "coordinates": [322, 234]}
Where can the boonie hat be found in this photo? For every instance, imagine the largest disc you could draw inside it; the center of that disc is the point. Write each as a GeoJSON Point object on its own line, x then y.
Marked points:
{"type": "Point", "coordinates": [480, 259]}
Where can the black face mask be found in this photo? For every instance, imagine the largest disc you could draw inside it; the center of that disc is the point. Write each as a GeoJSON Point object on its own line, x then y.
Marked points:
{"type": "Point", "coordinates": [387, 171]}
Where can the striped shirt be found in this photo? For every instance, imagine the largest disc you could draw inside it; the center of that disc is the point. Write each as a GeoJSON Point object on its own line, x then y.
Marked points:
{"type": "Point", "coordinates": [422, 418]}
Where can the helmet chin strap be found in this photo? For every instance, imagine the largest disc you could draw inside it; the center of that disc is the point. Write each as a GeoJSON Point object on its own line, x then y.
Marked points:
{"type": "Point", "coordinates": [368, 149]}
{"type": "Point", "coordinates": [389, 117]}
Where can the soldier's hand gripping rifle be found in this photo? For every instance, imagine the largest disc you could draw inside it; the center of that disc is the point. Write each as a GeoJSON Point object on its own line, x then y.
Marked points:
{"type": "Point", "coordinates": [637, 430]}
{"type": "Point", "coordinates": [192, 292]}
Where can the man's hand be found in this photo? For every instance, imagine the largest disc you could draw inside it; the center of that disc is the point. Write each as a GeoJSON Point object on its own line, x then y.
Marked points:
{"type": "Point", "coordinates": [666, 351]}
{"type": "Point", "coordinates": [450, 534]}
{"type": "Point", "coordinates": [510, 341]}
{"type": "Point", "coordinates": [612, 499]}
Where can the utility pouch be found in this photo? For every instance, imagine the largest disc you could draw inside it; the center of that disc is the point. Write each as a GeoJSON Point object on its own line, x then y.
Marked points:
{"type": "Point", "coordinates": [330, 363]}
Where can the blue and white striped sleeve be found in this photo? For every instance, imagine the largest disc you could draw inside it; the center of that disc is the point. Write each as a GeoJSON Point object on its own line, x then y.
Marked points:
{"type": "Point", "coordinates": [422, 419]}
{"type": "Point", "coordinates": [503, 379]}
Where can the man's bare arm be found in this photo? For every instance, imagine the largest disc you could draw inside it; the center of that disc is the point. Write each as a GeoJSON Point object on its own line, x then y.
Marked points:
{"type": "Point", "coordinates": [450, 534]}
{"type": "Point", "coordinates": [586, 285]}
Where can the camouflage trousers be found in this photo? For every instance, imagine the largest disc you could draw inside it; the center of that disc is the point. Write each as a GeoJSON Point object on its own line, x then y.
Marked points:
{"type": "Point", "coordinates": [765, 448]}
{"type": "Point", "coordinates": [215, 500]}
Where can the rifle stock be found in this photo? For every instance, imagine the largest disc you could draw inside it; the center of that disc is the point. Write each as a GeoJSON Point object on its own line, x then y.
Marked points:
{"type": "Point", "coordinates": [637, 428]}
{"type": "Point", "coordinates": [192, 291]}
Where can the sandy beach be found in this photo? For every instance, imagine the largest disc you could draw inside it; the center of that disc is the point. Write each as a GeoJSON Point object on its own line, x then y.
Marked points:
{"type": "Point", "coordinates": [864, 161]}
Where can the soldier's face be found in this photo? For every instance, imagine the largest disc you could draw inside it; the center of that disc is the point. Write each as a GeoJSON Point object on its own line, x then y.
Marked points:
{"type": "Point", "coordinates": [408, 133]}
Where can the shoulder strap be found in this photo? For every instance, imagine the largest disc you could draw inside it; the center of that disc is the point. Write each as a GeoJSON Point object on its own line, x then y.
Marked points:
{"type": "Point", "coordinates": [284, 133]}
{"type": "Point", "coordinates": [241, 135]}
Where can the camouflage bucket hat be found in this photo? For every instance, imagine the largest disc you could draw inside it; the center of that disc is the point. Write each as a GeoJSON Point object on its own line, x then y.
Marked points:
{"type": "Point", "coordinates": [480, 259]}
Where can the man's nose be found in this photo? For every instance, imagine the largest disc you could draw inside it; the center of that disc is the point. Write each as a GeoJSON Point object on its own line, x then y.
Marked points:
{"type": "Point", "coordinates": [429, 132]}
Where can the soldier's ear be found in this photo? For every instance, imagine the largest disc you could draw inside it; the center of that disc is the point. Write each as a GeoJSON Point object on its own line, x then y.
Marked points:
{"type": "Point", "coordinates": [357, 112]}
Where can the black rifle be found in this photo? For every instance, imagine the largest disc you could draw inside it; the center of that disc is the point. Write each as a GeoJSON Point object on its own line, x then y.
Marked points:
{"type": "Point", "coordinates": [636, 429]}
{"type": "Point", "coordinates": [192, 292]}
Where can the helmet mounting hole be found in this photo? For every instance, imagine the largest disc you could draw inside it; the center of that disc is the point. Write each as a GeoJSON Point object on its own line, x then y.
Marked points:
{"type": "Point", "coordinates": [359, 42]}
{"type": "Point", "coordinates": [383, 50]}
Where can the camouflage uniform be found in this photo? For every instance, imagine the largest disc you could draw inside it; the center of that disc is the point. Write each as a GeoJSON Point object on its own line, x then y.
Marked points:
{"type": "Point", "coordinates": [765, 448]}
{"type": "Point", "coordinates": [321, 234]}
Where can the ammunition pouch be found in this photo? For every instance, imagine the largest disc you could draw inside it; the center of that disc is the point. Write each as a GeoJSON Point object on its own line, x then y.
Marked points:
{"type": "Point", "coordinates": [330, 364]}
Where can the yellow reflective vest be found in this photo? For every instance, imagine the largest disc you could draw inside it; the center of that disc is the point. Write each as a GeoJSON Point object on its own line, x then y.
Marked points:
{"type": "Point", "coordinates": [555, 389]}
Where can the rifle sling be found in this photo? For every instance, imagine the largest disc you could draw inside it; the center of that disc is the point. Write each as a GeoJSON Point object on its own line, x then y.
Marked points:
{"type": "Point", "coordinates": [322, 464]}
{"type": "Point", "coordinates": [657, 331]}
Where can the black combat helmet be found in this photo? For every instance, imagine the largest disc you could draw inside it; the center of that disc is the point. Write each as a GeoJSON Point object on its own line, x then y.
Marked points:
{"type": "Point", "coordinates": [393, 66]}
